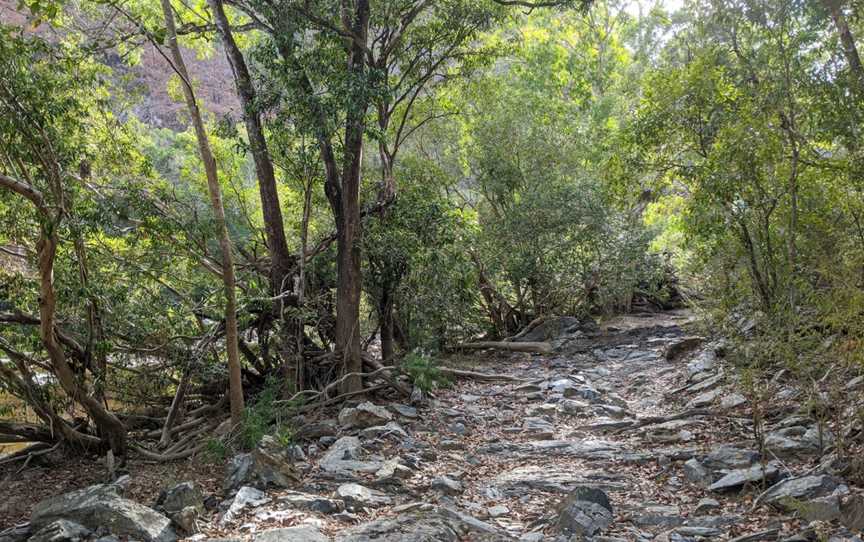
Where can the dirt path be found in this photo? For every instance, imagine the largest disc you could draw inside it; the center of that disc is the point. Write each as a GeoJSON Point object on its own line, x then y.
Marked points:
{"type": "Point", "coordinates": [630, 431]}
{"type": "Point", "coordinates": [508, 453]}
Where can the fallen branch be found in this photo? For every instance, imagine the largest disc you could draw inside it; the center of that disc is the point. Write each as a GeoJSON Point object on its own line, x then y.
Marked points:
{"type": "Point", "coordinates": [153, 456]}
{"type": "Point", "coordinates": [338, 398]}
{"type": "Point", "coordinates": [388, 376]}
{"type": "Point", "coordinates": [538, 348]}
{"type": "Point", "coordinates": [527, 329]}
{"type": "Point", "coordinates": [316, 394]}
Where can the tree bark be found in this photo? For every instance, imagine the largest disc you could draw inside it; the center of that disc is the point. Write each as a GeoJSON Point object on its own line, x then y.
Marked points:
{"type": "Point", "coordinates": [348, 226]}
{"type": "Point", "coordinates": [235, 387]}
{"type": "Point", "coordinates": [850, 50]}
{"type": "Point", "coordinates": [281, 261]}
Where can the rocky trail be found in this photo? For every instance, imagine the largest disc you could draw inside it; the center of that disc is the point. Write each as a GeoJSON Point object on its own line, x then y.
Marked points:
{"type": "Point", "coordinates": [631, 431]}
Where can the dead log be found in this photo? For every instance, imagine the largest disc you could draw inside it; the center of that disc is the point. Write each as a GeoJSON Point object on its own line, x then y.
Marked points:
{"type": "Point", "coordinates": [537, 348]}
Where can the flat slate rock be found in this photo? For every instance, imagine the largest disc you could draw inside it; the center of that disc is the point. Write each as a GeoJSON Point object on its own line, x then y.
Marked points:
{"type": "Point", "coordinates": [740, 477]}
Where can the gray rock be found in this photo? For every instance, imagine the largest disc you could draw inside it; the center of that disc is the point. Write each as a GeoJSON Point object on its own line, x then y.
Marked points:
{"type": "Point", "coordinates": [852, 512]}
{"type": "Point", "coordinates": [182, 495]}
{"type": "Point", "coordinates": [788, 492]}
{"type": "Point", "coordinates": [498, 511]}
{"type": "Point", "coordinates": [457, 428]}
{"type": "Point", "coordinates": [573, 407]}
{"type": "Point", "coordinates": [358, 497]}
{"type": "Point", "coordinates": [425, 524]}
{"type": "Point", "coordinates": [585, 512]}
{"type": "Point", "coordinates": [271, 464]}
{"type": "Point", "coordinates": [101, 506]}
{"type": "Point", "coordinates": [658, 516]}
{"type": "Point", "coordinates": [61, 531]}
{"type": "Point", "coordinates": [364, 415]}
{"type": "Point", "coordinates": [186, 519]}
{"type": "Point", "coordinates": [538, 428]}
{"type": "Point", "coordinates": [391, 471]}
{"type": "Point", "coordinates": [17, 533]}
{"type": "Point", "coordinates": [316, 430]}
{"type": "Point", "coordinates": [246, 497]}
{"type": "Point", "coordinates": [405, 411]}
{"type": "Point", "coordinates": [740, 477]}
{"type": "Point", "coordinates": [309, 502]}
{"type": "Point", "coordinates": [342, 459]}
{"type": "Point", "coordinates": [298, 533]}
{"type": "Point", "coordinates": [767, 534]}
{"type": "Point", "coordinates": [238, 472]}
{"type": "Point", "coordinates": [697, 473]}
{"type": "Point", "coordinates": [728, 458]}
{"type": "Point", "coordinates": [701, 532]}
{"type": "Point", "coordinates": [379, 431]}
{"type": "Point", "coordinates": [447, 485]}
{"type": "Point", "coordinates": [705, 361]}
{"type": "Point", "coordinates": [585, 391]}
{"type": "Point", "coordinates": [714, 522]}
{"type": "Point", "coordinates": [682, 346]}
{"type": "Point", "coordinates": [706, 505]}
{"type": "Point", "coordinates": [732, 400]}
{"type": "Point", "coordinates": [705, 399]}
{"type": "Point", "coordinates": [797, 441]}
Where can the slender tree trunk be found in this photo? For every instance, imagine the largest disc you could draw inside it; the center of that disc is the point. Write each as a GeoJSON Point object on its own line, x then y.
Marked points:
{"type": "Point", "coordinates": [850, 50]}
{"type": "Point", "coordinates": [235, 376]}
{"type": "Point", "coordinates": [348, 225]}
{"type": "Point", "coordinates": [281, 261]}
{"type": "Point", "coordinates": [385, 317]}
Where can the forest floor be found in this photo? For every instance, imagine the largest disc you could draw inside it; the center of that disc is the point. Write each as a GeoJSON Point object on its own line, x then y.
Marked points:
{"type": "Point", "coordinates": [640, 410]}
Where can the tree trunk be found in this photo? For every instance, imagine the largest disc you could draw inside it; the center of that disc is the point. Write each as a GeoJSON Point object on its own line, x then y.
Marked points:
{"type": "Point", "coordinates": [110, 427]}
{"type": "Point", "coordinates": [281, 261]}
{"type": "Point", "coordinates": [385, 320]}
{"type": "Point", "coordinates": [348, 225]}
{"type": "Point", "coordinates": [850, 50]}
{"type": "Point", "coordinates": [235, 378]}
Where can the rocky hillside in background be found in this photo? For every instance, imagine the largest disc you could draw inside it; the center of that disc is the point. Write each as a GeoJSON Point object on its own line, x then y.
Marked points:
{"type": "Point", "coordinates": [147, 81]}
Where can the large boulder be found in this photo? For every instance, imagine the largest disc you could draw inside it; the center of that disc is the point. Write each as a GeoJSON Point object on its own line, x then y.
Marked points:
{"type": "Point", "coordinates": [788, 493]}
{"type": "Point", "coordinates": [101, 506]}
{"type": "Point", "coordinates": [364, 415]}
{"type": "Point", "coordinates": [584, 513]}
